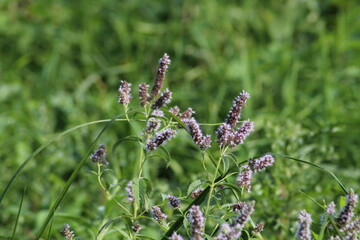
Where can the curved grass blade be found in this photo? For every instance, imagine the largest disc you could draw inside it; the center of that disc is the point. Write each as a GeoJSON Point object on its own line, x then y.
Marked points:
{"type": "Point", "coordinates": [314, 165]}
{"type": "Point", "coordinates": [18, 214]}
{"type": "Point", "coordinates": [72, 178]}
{"type": "Point", "coordinates": [42, 147]}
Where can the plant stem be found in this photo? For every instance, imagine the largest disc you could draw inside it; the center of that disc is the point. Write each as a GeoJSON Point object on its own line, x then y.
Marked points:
{"type": "Point", "coordinates": [99, 173]}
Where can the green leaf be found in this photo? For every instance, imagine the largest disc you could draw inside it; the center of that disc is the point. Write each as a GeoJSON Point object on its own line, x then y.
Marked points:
{"type": "Point", "coordinates": [125, 139]}
{"type": "Point", "coordinates": [18, 214]}
{"type": "Point", "coordinates": [194, 185]}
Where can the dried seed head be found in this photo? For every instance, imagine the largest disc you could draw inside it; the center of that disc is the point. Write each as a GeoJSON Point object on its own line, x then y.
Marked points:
{"type": "Point", "coordinates": [238, 206]}
{"type": "Point", "coordinates": [173, 201]}
{"type": "Point", "coordinates": [143, 94]}
{"type": "Point", "coordinates": [303, 231]}
{"type": "Point", "coordinates": [158, 215]}
{"type": "Point", "coordinates": [331, 208]}
{"type": "Point", "coordinates": [160, 139]}
{"type": "Point", "coordinates": [203, 142]}
{"type": "Point", "coordinates": [164, 99]}
{"type": "Point", "coordinates": [196, 220]}
{"type": "Point", "coordinates": [347, 211]}
{"type": "Point", "coordinates": [66, 232]}
{"type": "Point", "coordinates": [136, 228]}
{"type": "Point", "coordinates": [175, 110]}
{"type": "Point", "coordinates": [99, 155]}
{"type": "Point", "coordinates": [176, 236]}
{"type": "Point", "coordinates": [130, 192]}
{"type": "Point", "coordinates": [244, 178]}
{"type": "Point", "coordinates": [196, 193]}
{"type": "Point", "coordinates": [160, 76]}
{"type": "Point", "coordinates": [261, 163]}
{"type": "Point", "coordinates": [235, 111]}
{"type": "Point", "coordinates": [124, 92]}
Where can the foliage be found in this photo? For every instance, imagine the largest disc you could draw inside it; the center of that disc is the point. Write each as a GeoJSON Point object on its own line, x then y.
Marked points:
{"type": "Point", "coordinates": [62, 60]}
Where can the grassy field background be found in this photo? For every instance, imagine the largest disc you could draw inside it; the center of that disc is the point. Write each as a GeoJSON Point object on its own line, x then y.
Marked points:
{"type": "Point", "coordinates": [61, 62]}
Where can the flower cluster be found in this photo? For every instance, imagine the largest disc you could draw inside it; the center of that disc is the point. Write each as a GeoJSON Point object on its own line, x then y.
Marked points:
{"type": "Point", "coordinates": [196, 220]}
{"type": "Point", "coordinates": [99, 155]}
{"type": "Point", "coordinates": [136, 228]}
{"type": "Point", "coordinates": [347, 212]}
{"type": "Point", "coordinates": [174, 201]}
{"type": "Point", "coordinates": [153, 123]}
{"type": "Point", "coordinates": [255, 165]}
{"type": "Point", "coordinates": [160, 138]}
{"type": "Point", "coordinates": [158, 215]}
{"type": "Point", "coordinates": [176, 236]}
{"type": "Point", "coordinates": [124, 92]}
{"type": "Point", "coordinates": [202, 141]}
{"type": "Point", "coordinates": [226, 133]}
{"type": "Point", "coordinates": [143, 94]}
{"type": "Point", "coordinates": [66, 232]}
{"type": "Point", "coordinates": [163, 99]}
{"type": "Point", "coordinates": [303, 231]}
{"type": "Point", "coordinates": [160, 76]}
{"type": "Point", "coordinates": [196, 193]}
{"type": "Point", "coordinates": [233, 231]}
{"type": "Point", "coordinates": [130, 193]}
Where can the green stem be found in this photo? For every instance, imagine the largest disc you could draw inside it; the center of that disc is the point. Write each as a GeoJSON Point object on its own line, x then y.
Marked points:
{"type": "Point", "coordinates": [99, 173]}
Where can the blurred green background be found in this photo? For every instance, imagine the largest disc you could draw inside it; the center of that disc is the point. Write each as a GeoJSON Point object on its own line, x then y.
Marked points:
{"type": "Point", "coordinates": [61, 62]}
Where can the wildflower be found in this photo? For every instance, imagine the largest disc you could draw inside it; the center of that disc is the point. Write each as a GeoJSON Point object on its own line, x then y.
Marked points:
{"type": "Point", "coordinates": [244, 215]}
{"type": "Point", "coordinates": [161, 101]}
{"type": "Point", "coordinates": [235, 111]}
{"type": "Point", "coordinates": [347, 211]}
{"type": "Point", "coordinates": [233, 231]}
{"type": "Point", "coordinates": [160, 139]}
{"type": "Point", "coordinates": [196, 220]}
{"type": "Point", "coordinates": [136, 228]}
{"type": "Point", "coordinates": [258, 228]}
{"type": "Point", "coordinates": [158, 215]}
{"type": "Point", "coordinates": [303, 231]}
{"type": "Point", "coordinates": [225, 135]}
{"type": "Point", "coordinates": [124, 92]}
{"type": "Point", "coordinates": [143, 94]}
{"type": "Point", "coordinates": [175, 110]}
{"type": "Point", "coordinates": [196, 193]}
{"type": "Point", "coordinates": [99, 155]}
{"type": "Point", "coordinates": [335, 238]}
{"type": "Point", "coordinates": [187, 114]}
{"type": "Point", "coordinates": [243, 132]}
{"type": "Point", "coordinates": [261, 163]}
{"type": "Point", "coordinates": [174, 202]}
{"type": "Point", "coordinates": [228, 232]}
{"type": "Point", "coordinates": [66, 232]}
{"type": "Point", "coordinates": [130, 193]}
{"type": "Point", "coordinates": [244, 178]}
{"type": "Point", "coordinates": [160, 76]}
{"type": "Point", "coordinates": [351, 229]}
{"type": "Point", "coordinates": [203, 142]}
{"type": "Point", "coordinates": [153, 124]}
{"type": "Point", "coordinates": [238, 206]}
{"type": "Point", "coordinates": [331, 208]}
{"type": "Point", "coordinates": [176, 236]}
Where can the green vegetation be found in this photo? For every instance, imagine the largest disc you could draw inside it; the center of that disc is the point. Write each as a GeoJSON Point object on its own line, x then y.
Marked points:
{"type": "Point", "coordinates": [61, 62]}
